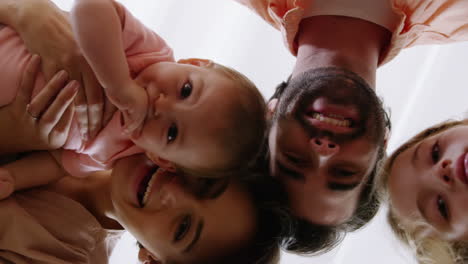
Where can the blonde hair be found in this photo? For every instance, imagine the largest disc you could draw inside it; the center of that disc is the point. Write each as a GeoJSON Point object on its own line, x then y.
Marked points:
{"type": "Point", "coordinates": [248, 123]}
{"type": "Point", "coordinates": [427, 249]}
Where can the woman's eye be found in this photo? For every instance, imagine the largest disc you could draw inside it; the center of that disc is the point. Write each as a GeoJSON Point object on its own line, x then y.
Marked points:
{"type": "Point", "coordinates": [183, 228]}
{"type": "Point", "coordinates": [435, 152]}
{"type": "Point", "coordinates": [442, 207]}
{"type": "Point", "coordinates": [186, 90]}
{"type": "Point", "coordinates": [172, 133]}
{"type": "Point", "coordinates": [344, 173]}
{"type": "Point", "coordinates": [205, 186]}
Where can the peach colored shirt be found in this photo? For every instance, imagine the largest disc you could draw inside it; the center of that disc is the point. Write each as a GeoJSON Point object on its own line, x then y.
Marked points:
{"type": "Point", "coordinates": [39, 226]}
{"type": "Point", "coordinates": [421, 21]}
{"type": "Point", "coordinates": [142, 47]}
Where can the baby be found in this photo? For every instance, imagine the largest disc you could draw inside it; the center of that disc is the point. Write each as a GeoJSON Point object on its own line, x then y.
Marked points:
{"type": "Point", "coordinates": [192, 116]}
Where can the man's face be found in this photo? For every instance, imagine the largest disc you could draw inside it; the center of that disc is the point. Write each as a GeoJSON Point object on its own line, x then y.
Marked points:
{"type": "Point", "coordinates": [324, 143]}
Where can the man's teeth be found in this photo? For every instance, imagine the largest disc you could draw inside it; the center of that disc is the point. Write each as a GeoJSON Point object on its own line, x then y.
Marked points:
{"type": "Point", "coordinates": [332, 120]}
{"type": "Point", "coordinates": [148, 188]}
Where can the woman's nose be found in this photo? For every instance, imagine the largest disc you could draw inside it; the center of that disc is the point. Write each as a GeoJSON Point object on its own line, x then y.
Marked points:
{"type": "Point", "coordinates": [444, 171]}
{"type": "Point", "coordinates": [323, 146]}
{"type": "Point", "coordinates": [175, 194]}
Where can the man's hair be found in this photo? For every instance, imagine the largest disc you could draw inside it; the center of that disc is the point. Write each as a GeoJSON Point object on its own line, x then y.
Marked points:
{"type": "Point", "coordinates": [316, 239]}
{"type": "Point", "coordinates": [247, 125]}
{"type": "Point", "coordinates": [427, 249]}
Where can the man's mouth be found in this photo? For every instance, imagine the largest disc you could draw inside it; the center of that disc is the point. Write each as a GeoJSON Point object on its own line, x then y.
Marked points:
{"type": "Point", "coordinates": [332, 117]}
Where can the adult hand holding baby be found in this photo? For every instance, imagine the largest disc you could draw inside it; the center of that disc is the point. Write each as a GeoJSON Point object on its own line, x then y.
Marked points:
{"type": "Point", "coordinates": [40, 124]}
{"type": "Point", "coordinates": [59, 50]}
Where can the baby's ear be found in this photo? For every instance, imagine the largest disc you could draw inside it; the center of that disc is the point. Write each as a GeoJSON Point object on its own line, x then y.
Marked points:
{"type": "Point", "coordinates": [145, 257]}
{"type": "Point", "coordinates": [162, 163]}
{"type": "Point", "coordinates": [196, 62]}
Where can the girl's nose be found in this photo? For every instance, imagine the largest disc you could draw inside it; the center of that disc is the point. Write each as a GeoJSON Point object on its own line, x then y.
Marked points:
{"type": "Point", "coordinates": [444, 171]}
{"type": "Point", "coordinates": [323, 146]}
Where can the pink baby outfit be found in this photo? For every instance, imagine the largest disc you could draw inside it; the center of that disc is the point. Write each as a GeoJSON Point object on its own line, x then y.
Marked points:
{"type": "Point", "coordinates": [142, 47]}
{"type": "Point", "coordinates": [419, 21]}
{"type": "Point", "coordinates": [40, 226]}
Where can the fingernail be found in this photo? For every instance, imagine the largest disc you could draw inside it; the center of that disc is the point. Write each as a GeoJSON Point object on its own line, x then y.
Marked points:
{"type": "Point", "coordinates": [63, 74]}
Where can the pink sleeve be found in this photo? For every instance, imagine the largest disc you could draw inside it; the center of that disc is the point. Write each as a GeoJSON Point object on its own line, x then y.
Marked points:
{"type": "Point", "coordinates": [143, 47]}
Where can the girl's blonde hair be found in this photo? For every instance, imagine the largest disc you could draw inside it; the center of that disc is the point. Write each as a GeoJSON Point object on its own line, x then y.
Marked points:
{"type": "Point", "coordinates": [428, 249]}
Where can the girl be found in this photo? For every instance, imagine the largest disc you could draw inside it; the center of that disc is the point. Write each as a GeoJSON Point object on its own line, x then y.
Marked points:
{"type": "Point", "coordinates": [426, 181]}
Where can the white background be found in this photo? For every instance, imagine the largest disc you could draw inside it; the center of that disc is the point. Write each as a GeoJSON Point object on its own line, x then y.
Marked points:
{"type": "Point", "coordinates": [422, 86]}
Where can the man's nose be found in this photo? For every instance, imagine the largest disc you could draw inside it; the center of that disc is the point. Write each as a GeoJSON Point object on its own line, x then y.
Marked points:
{"type": "Point", "coordinates": [324, 146]}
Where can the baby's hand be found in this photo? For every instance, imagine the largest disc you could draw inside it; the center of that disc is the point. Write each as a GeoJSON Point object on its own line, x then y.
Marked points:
{"type": "Point", "coordinates": [6, 184]}
{"type": "Point", "coordinates": [132, 101]}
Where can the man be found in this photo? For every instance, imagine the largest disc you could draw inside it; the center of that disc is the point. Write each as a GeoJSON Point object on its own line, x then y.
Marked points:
{"type": "Point", "coordinates": [328, 128]}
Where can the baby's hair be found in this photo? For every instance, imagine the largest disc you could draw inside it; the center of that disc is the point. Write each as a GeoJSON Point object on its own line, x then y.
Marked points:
{"type": "Point", "coordinates": [427, 249]}
{"type": "Point", "coordinates": [248, 125]}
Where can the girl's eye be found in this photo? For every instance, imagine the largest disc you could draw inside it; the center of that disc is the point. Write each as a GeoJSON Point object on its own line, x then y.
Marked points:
{"type": "Point", "coordinates": [442, 207]}
{"type": "Point", "coordinates": [183, 228]}
{"type": "Point", "coordinates": [186, 90]}
{"type": "Point", "coordinates": [435, 152]}
{"type": "Point", "coordinates": [172, 133]}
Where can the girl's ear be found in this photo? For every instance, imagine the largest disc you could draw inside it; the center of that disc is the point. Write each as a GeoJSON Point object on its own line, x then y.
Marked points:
{"type": "Point", "coordinates": [271, 107]}
{"type": "Point", "coordinates": [145, 257]}
{"type": "Point", "coordinates": [162, 163]}
{"type": "Point", "coordinates": [196, 62]}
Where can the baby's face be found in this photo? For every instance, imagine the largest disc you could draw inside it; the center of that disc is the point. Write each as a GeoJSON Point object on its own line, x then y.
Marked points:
{"type": "Point", "coordinates": [189, 107]}
{"type": "Point", "coordinates": [428, 184]}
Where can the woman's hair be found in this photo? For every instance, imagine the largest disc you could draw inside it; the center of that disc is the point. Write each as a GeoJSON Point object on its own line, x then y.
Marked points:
{"type": "Point", "coordinates": [246, 128]}
{"type": "Point", "coordinates": [428, 249]}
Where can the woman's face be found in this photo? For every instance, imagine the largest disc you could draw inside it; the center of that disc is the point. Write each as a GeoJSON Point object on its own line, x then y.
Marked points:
{"type": "Point", "coordinates": [170, 222]}
{"type": "Point", "coordinates": [428, 183]}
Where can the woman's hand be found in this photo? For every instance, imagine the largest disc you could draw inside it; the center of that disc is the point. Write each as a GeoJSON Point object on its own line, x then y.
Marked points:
{"type": "Point", "coordinates": [46, 31]}
{"type": "Point", "coordinates": [44, 122]}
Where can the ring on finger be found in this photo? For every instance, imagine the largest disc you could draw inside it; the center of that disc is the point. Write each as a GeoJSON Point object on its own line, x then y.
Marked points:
{"type": "Point", "coordinates": [31, 115]}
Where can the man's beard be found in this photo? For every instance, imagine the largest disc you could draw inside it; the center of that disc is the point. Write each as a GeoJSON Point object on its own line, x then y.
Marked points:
{"type": "Point", "coordinates": [339, 87]}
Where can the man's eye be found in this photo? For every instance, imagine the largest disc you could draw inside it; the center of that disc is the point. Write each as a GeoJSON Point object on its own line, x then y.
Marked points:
{"type": "Point", "coordinates": [435, 152]}
{"type": "Point", "coordinates": [172, 133]}
{"type": "Point", "coordinates": [442, 207]}
{"type": "Point", "coordinates": [183, 228]}
{"type": "Point", "coordinates": [186, 90]}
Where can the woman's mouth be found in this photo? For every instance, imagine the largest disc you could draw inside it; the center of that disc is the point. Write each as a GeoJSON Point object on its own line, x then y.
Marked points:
{"type": "Point", "coordinates": [145, 186]}
{"type": "Point", "coordinates": [152, 182]}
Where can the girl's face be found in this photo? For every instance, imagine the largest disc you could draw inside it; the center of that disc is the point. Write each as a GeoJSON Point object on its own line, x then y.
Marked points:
{"type": "Point", "coordinates": [428, 183]}
{"type": "Point", "coordinates": [170, 222]}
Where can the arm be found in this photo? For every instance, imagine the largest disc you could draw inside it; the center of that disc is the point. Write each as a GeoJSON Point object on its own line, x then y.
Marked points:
{"type": "Point", "coordinates": [36, 169]}
{"type": "Point", "coordinates": [98, 29]}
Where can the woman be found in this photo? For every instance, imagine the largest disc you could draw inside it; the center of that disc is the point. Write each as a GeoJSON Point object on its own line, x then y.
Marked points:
{"type": "Point", "coordinates": [78, 220]}
{"type": "Point", "coordinates": [426, 181]}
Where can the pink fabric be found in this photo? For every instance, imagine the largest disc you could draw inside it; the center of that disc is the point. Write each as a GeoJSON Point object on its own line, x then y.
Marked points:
{"type": "Point", "coordinates": [421, 21]}
{"type": "Point", "coordinates": [40, 226]}
{"type": "Point", "coordinates": [142, 46]}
